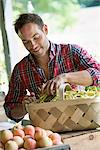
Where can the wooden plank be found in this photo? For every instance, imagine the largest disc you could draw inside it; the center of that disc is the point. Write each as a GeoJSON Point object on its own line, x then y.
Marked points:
{"type": "Point", "coordinates": [78, 133]}
{"type": "Point", "coordinates": [86, 140]}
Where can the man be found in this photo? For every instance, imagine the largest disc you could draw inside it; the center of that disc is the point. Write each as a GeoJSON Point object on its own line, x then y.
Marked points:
{"type": "Point", "coordinates": [47, 66]}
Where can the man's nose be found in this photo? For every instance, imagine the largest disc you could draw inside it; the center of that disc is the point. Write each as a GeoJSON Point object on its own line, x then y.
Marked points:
{"type": "Point", "coordinates": [33, 43]}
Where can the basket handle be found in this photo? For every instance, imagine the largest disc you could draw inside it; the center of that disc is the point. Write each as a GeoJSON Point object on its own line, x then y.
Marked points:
{"type": "Point", "coordinates": [61, 90]}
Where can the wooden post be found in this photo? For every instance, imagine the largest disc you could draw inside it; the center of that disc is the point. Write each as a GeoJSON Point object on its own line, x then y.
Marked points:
{"type": "Point", "coordinates": [5, 39]}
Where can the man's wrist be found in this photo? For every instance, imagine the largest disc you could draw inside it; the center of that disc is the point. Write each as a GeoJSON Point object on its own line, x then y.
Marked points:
{"type": "Point", "coordinates": [24, 108]}
{"type": "Point", "coordinates": [67, 77]}
{"type": "Point", "coordinates": [18, 111]}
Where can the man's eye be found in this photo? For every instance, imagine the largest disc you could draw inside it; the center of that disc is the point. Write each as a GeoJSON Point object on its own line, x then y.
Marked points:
{"type": "Point", "coordinates": [36, 37]}
{"type": "Point", "coordinates": [25, 42]}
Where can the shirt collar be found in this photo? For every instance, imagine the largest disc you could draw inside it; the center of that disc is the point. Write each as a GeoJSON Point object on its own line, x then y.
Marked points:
{"type": "Point", "coordinates": [52, 50]}
{"type": "Point", "coordinates": [31, 58]}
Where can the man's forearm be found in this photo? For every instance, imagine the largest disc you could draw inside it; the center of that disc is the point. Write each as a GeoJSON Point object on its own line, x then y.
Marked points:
{"type": "Point", "coordinates": [80, 78]}
{"type": "Point", "coordinates": [18, 112]}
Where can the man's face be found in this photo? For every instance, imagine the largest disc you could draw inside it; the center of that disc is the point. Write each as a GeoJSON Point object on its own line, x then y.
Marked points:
{"type": "Point", "coordinates": [34, 38]}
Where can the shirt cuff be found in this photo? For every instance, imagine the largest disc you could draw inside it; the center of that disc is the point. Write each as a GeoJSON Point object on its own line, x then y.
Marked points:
{"type": "Point", "coordinates": [95, 74]}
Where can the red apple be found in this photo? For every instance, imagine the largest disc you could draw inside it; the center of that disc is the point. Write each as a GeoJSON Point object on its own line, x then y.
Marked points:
{"type": "Point", "coordinates": [29, 130]}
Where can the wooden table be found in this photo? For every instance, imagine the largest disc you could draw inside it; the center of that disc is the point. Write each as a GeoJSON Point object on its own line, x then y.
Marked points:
{"type": "Point", "coordinates": [79, 140]}
{"type": "Point", "coordinates": [83, 140]}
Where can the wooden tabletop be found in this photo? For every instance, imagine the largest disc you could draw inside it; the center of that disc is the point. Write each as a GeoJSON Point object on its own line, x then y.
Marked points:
{"type": "Point", "coordinates": [83, 140]}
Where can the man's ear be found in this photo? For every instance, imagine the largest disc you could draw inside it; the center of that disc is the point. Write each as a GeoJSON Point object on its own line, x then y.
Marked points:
{"type": "Point", "coordinates": [45, 29]}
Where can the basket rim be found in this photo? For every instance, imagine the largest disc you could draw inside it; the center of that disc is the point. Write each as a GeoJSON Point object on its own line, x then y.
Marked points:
{"type": "Point", "coordinates": [36, 106]}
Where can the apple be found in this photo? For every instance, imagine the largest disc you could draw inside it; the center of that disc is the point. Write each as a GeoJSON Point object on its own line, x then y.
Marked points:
{"type": "Point", "coordinates": [55, 136]}
{"type": "Point", "coordinates": [21, 149]}
{"type": "Point", "coordinates": [44, 142]}
{"type": "Point", "coordinates": [6, 135]}
{"type": "Point", "coordinates": [57, 142]}
{"type": "Point", "coordinates": [1, 148]}
{"type": "Point", "coordinates": [18, 132]}
{"type": "Point", "coordinates": [29, 143]}
{"type": "Point", "coordinates": [39, 133]}
{"type": "Point", "coordinates": [1, 145]}
{"type": "Point", "coordinates": [11, 145]}
{"type": "Point", "coordinates": [26, 137]}
{"type": "Point", "coordinates": [29, 130]}
{"type": "Point", "coordinates": [49, 132]}
{"type": "Point", "coordinates": [19, 140]}
{"type": "Point", "coordinates": [18, 126]}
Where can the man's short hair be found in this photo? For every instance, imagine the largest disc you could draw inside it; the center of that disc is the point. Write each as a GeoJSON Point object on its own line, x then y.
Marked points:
{"type": "Point", "coordinates": [28, 18]}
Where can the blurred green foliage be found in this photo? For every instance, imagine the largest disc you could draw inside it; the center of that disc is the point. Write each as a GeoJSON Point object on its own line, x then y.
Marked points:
{"type": "Point", "coordinates": [60, 13]}
{"type": "Point", "coordinates": [57, 13]}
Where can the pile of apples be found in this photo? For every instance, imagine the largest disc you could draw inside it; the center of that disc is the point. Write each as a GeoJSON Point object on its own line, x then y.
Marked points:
{"type": "Point", "coordinates": [28, 138]}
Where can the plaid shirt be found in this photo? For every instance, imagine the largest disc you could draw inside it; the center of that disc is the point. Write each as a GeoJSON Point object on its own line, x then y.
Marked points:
{"type": "Point", "coordinates": [63, 59]}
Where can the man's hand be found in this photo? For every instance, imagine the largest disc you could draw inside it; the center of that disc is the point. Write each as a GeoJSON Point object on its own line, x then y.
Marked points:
{"type": "Point", "coordinates": [51, 86]}
{"type": "Point", "coordinates": [19, 110]}
{"type": "Point", "coordinates": [76, 78]}
{"type": "Point", "coordinates": [29, 99]}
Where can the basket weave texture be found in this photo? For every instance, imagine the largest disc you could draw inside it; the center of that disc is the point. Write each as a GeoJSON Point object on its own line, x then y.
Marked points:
{"type": "Point", "coordinates": [66, 115]}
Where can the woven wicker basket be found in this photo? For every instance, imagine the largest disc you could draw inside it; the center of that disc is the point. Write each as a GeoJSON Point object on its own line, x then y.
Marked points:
{"type": "Point", "coordinates": [69, 115]}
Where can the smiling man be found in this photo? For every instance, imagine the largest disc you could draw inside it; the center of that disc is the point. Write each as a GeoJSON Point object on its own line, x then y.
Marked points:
{"type": "Point", "coordinates": [46, 66]}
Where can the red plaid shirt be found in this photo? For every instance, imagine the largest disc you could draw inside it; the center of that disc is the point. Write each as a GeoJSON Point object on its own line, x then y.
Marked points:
{"type": "Point", "coordinates": [63, 59]}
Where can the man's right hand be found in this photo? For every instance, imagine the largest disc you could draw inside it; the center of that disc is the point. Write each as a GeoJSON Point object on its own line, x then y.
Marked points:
{"type": "Point", "coordinates": [51, 86]}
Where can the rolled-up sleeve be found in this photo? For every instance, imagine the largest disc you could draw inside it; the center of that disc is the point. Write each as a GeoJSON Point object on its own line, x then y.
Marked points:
{"type": "Point", "coordinates": [95, 74]}
{"type": "Point", "coordinates": [84, 61]}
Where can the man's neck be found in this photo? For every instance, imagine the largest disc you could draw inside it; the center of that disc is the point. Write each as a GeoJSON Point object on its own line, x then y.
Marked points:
{"type": "Point", "coordinates": [43, 60]}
